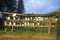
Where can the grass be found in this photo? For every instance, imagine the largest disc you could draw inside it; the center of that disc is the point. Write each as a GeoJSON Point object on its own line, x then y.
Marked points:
{"type": "Point", "coordinates": [58, 31]}
{"type": "Point", "coordinates": [30, 30]}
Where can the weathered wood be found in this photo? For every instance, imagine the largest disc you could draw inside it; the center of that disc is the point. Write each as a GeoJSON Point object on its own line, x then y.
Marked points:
{"type": "Point", "coordinates": [5, 29]}
{"type": "Point", "coordinates": [12, 28]}
{"type": "Point", "coordinates": [49, 26]}
{"type": "Point", "coordinates": [32, 19]}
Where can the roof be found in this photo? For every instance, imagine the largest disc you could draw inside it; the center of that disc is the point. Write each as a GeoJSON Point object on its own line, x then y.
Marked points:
{"type": "Point", "coordinates": [42, 15]}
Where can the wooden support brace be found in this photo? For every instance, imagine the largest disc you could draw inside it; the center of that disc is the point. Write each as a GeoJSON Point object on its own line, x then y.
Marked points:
{"type": "Point", "coordinates": [5, 29]}
{"type": "Point", "coordinates": [12, 28]}
{"type": "Point", "coordinates": [49, 26]}
{"type": "Point", "coordinates": [49, 29]}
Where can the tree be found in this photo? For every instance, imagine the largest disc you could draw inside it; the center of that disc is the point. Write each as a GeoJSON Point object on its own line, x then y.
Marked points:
{"type": "Point", "coordinates": [10, 4]}
{"type": "Point", "coordinates": [7, 5]}
{"type": "Point", "coordinates": [2, 5]}
{"type": "Point", "coordinates": [20, 7]}
{"type": "Point", "coordinates": [1, 23]}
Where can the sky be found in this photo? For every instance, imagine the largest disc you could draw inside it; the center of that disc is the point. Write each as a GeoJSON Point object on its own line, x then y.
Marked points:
{"type": "Point", "coordinates": [41, 6]}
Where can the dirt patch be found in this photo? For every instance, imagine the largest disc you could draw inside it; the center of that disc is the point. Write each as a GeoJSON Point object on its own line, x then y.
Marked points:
{"type": "Point", "coordinates": [26, 37]}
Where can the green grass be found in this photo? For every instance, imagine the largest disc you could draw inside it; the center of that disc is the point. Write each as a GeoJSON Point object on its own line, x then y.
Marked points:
{"type": "Point", "coordinates": [58, 31]}
{"type": "Point", "coordinates": [31, 30]}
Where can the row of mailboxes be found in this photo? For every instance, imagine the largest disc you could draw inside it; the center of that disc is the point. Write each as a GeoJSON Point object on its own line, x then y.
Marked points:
{"type": "Point", "coordinates": [25, 18]}
{"type": "Point", "coordinates": [9, 18]}
{"type": "Point", "coordinates": [20, 23]}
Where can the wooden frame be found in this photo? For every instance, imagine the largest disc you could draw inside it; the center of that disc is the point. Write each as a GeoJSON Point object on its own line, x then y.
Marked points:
{"type": "Point", "coordinates": [31, 17]}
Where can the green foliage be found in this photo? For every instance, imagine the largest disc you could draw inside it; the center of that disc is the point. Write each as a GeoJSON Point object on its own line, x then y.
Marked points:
{"type": "Point", "coordinates": [53, 30]}
{"type": "Point", "coordinates": [58, 31]}
{"type": "Point", "coordinates": [57, 14]}
{"type": "Point", "coordinates": [1, 23]}
{"type": "Point", "coordinates": [20, 8]}
{"type": "Point", "coordinates": [7, 5]}
{"type": "Point", "coordinates": [10, 6]}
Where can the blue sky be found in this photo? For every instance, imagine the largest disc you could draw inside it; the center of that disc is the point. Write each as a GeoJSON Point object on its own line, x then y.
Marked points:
{"type": "Point", "coordinates": [41, 6]}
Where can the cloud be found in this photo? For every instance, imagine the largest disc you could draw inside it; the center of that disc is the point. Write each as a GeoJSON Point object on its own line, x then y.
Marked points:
{"type": "Point", "coordinates": [41, 6]}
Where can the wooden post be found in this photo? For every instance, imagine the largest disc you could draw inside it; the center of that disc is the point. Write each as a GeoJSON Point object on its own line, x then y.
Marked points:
{"type": "Point", "coordinates": [49, 29]}
{"type": "Point", "coordinates": [49, 26]}
{"type": "Point", "coordinates": [44, 19]}
{"type": "Point", "coordinates": [12, 28]}
{"type": "Point", "coordinates": [5, 29]}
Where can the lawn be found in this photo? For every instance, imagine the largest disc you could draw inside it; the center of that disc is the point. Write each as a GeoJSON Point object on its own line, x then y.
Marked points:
{"type": "Point", "coordinates": [30, 30]}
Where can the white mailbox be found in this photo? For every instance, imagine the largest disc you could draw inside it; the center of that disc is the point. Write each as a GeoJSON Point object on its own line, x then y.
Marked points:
{"type": "Point", "coordinates": [13, 18]}
{"type": "Point", "coordinates": [38, 23]}
{"type": "Point", "coordinates": [14, 23]}
{"type": "Point", "coordinates": [10, 23]}
{"type": "Point", "coordinates": [8, 18]}
{"type": "Point", "coordinates": [5, 23]}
